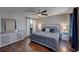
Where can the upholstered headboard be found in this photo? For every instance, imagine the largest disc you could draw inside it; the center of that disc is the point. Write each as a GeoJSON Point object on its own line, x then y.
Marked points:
{"type": "Point", "coordinates": [52, 26]}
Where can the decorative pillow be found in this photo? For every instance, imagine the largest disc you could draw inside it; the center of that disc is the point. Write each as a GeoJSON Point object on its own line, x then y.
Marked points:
{"type": "Point", "coordinates": [47, 30]}
{"type": "Point", "coordinates": [43, 29]}
{"type": "Point", "coordinates": [52, 30]}
{"type": "Point", "coordinates": [55, 29]}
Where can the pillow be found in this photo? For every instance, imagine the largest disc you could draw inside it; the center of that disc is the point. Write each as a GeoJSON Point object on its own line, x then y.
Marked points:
{"type": "Point", "coordinates": [55, 29]}
{"type": "Point", "coordinates": [43, 29]}
{"type": "Point", "coordinates": [47, 30]}
{"type": "Point", "coordinates": [52, 30]}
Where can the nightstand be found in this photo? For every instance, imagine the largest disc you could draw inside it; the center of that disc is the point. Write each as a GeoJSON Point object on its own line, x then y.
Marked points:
{"type": "Point", "coordinates": [65, 36]}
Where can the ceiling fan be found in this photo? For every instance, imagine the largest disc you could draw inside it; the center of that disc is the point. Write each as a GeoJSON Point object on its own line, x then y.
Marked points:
{"type": "Point", "coordinates": [42, 12]}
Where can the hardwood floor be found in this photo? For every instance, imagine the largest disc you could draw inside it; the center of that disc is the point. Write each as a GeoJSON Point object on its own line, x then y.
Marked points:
{"type": "Point", "coordinates": [15, 47]}
{"type": "Point", "coordinates": [40, 48]}
{"type": "Point", "coordinates": [21, 47]}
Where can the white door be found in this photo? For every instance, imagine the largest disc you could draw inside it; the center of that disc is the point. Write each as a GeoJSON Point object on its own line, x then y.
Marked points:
{"type": "Point", "coordinates": [34, 26]}
{"type": "Point", "coordinates": [28, 26]}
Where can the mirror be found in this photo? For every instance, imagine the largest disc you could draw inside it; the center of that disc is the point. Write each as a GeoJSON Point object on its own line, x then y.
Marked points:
{"type": "Point", "coordinates": [8, 25]}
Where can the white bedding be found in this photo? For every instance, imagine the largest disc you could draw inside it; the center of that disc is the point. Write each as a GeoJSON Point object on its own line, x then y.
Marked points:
{"type": "Point", "coordinates": [48, 34]}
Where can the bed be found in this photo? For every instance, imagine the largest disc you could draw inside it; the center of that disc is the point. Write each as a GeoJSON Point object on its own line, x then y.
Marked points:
{"type": "Point", "coordinates": [48, 36]}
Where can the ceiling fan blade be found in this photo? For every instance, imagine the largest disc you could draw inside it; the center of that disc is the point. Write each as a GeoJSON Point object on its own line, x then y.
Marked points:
{"type": "Point", "coordinates": [44, 14]}
{"type": "Point", "coordinates": [44, 11]}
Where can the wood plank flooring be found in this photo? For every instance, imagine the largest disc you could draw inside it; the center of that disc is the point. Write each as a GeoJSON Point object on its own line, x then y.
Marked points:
{"type": "Point", "coordinates": [20, 47]}
{"type": "Point", "coordinates": [40, 48]}
{"type": "Point", "coordinates": [15, 47]}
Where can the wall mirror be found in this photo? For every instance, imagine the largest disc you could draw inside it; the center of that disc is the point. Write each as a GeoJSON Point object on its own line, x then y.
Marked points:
{"type": "Point", "coordinates": [8, 25]}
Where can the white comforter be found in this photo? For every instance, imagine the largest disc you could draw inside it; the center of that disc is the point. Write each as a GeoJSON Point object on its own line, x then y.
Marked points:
{"type": "Point", "coordinates": [48, 34]}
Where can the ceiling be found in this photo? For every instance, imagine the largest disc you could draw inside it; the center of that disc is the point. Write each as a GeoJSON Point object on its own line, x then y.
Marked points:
{"type": "Point", "coordinates": [32, 11]}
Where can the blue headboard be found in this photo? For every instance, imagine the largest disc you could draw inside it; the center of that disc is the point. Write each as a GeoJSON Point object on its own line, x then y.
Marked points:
{"type": "Point", "coordinates": [56, 27]}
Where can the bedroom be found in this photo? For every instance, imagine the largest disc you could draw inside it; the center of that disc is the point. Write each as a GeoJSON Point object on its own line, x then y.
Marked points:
{"type": "Point", "coordinates": [48, 27]}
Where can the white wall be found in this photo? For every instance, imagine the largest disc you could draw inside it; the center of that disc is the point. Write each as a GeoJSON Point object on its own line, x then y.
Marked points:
{"type": "Point", "coordinates": [21, 23]}
{"type": "Point", "coordinates": [57, 19]}
{"type": "Point", "coordinates": [0, 25]}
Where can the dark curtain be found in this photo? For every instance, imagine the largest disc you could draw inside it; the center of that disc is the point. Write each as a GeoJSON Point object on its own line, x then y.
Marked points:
{"type": "Point", "coordinates": [74, 31]}
{"type": "Point", "coordinates": [71, 24]}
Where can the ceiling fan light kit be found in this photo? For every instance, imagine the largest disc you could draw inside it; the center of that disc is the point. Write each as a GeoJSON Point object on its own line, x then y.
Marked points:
{"type": "Point", "coordinates": [42, 12]}
{"type": "Point", "coordinates": [39, 14]}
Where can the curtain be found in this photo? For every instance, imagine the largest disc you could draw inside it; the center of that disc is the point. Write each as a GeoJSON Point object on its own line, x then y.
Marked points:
{"type": "Point", "coordinates": [74, 31]}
